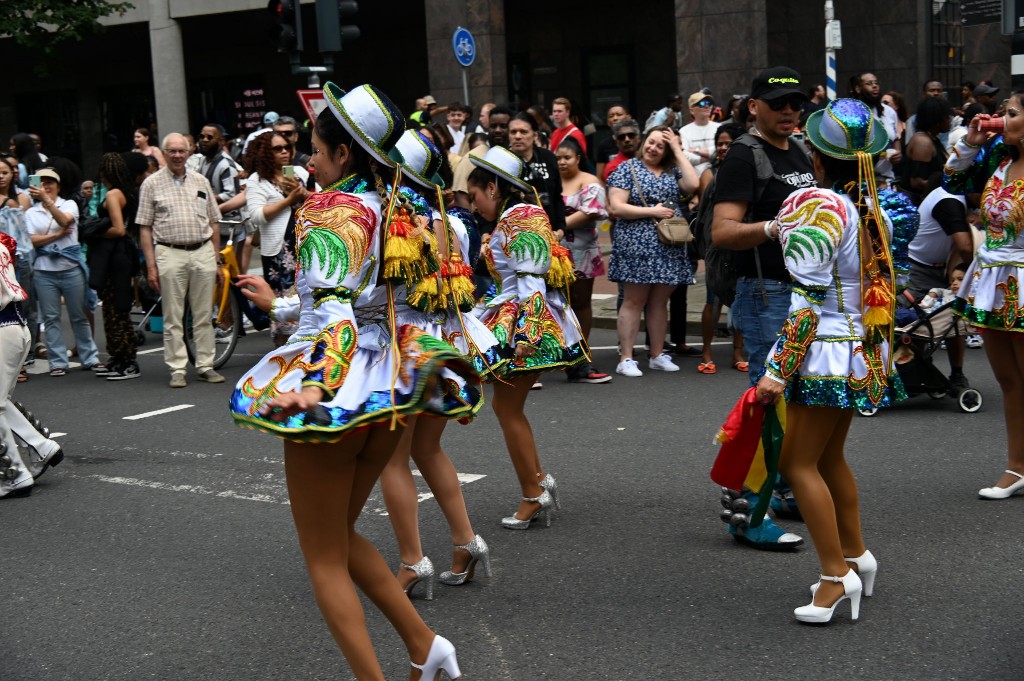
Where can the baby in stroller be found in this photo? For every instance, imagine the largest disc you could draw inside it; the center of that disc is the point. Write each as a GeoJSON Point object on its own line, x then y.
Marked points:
{"type": "Point", "coordinates": [922, 328]}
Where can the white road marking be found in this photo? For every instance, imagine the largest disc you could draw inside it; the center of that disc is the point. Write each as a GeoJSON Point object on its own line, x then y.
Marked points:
{"type": "Point", "coordinates": [56, 435]}
{"type": "Point", "coordinates": [136, 417]}
{"type": "Point", "coordinates": [194, 489]}
{"type": "Point", "coordinates": [464, 479]}
{"type": "Point", "coordinates": [602, 296]}
{"type": "Point", "coordinates": [150, 351]}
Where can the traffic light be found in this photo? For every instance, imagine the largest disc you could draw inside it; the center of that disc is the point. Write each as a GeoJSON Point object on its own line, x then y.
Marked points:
{"type": "Point", "coordinates": [286, 34]}
{"type": "Point", "coordinates": [331, 33]}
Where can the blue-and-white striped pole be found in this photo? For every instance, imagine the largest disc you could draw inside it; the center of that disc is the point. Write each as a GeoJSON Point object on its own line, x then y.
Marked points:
{"type": "Point", "coordinates": [830, 75]}
{"type": "Point", "coordinates": [830, 55]}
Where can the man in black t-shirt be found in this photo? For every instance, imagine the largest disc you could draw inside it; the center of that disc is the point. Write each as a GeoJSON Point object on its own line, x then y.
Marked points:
{"type": "Point", "coordinates": [742, 224]}
{"type": "Point", "coordinates": [541, 170]}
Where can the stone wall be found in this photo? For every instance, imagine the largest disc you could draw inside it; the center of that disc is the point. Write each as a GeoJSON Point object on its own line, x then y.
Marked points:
{"type": "Point", "coordinates": [720, 44]}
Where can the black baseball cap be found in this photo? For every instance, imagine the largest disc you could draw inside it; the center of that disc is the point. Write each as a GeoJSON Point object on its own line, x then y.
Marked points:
{"type": "Point", "coordinates": [775, 82]}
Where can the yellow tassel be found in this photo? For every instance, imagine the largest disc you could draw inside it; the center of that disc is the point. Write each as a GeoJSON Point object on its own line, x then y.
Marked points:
{"type": "Point", "coordinates": [877, 317]}
{"type": "Point", "coordinates": [403, 250]}
{"type": "Point", "coordinates": [561, 274]}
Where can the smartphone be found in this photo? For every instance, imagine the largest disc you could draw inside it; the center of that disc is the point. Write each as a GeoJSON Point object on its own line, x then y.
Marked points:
{"type": "Point", "coordinates": [288, 171]}
{"type": "Point", "coordinates": [35, 181]}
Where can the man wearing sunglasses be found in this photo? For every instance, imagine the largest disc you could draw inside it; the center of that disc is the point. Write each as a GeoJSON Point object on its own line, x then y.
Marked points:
{"type": "Point", "coordinates": [744, 212]}
{"type": "Point", "coordinates": [699, 135]}
{"type": "Point", "coordinates": [221, 172]}
{"type": "Point", "coordinates": [626, 134]}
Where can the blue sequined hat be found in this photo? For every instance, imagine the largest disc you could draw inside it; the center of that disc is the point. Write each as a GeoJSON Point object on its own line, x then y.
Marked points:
{"type": "Point", "coordinates": [504, 164]}
{"type": "Point", "coordinates": [419, 158]}
{"type": "Point", "coordinates": [370, 117]}
{"type": "Point", "coordinates": [845, 127]}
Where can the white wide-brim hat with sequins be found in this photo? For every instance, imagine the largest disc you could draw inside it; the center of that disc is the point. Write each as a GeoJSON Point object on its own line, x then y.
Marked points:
{"type": "Point", "coordinates": [370, 117]}
{"type": "Point", "coordinates": [419, 158]}
{"type": "Point", "coordinates": [504, 164]}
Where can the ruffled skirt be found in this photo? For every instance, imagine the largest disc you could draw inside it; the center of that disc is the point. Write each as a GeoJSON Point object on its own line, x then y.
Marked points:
{"type": "Point", "coordinates": [427, 376]}
{"type": "Point", "coordinates": [841, 374]}
{"type": "Point", "coordinates": [990, 297]}
{"type": "Point", "coordinates": [553, 328]}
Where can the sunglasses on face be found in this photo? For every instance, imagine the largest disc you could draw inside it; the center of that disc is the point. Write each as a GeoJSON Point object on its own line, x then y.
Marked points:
{"type": "Point", "coordinates": [622, 136]}
{"type": "Point", "coordinates": [794, 102]}
{"type": "Point", "coordinates": [207, 137]}
{"type": "Point", "coordinates": [280, 147]}
{"type": "Point", "coordinates": [704, 102]}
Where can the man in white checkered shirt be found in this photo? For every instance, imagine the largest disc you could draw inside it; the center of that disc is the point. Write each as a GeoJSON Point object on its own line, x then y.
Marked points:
{"type": "Point", "coordinates": [179, 230]}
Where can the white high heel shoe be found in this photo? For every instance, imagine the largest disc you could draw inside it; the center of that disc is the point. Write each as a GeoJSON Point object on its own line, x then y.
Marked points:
{"type": "Point", "coordinates": [440, 657]}
{"type": "Point", "coordinates": [1003, 492]}
{"type": "Point", "coordinates": [867, 568]}
{"type": "Point", "coordinates": [852, 590]}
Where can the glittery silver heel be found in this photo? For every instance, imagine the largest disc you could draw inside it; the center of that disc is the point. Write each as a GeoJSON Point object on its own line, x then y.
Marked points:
{"type": "Point", "coordinates": [551, 486]}
{"type": "Point", "coordinates": [424, 575]}
{"type": "Point", "coordinates": [479, 553]}
{"type": "Point", "coordinates": [544, 513]}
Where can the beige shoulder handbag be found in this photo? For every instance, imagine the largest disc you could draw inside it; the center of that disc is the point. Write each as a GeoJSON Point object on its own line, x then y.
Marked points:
{"type": "Point", "coordinates": [671, 231]}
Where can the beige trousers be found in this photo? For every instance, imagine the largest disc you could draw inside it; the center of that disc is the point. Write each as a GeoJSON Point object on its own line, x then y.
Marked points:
{"type": "Point", "coordinates": [193, 274]}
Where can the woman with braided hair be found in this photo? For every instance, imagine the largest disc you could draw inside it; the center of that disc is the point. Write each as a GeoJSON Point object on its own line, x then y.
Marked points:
{"type": "Point", "coordinates": [338, 392]}
{"type": "Point", "coordinates": [114, 262]}
{"type": "Point", "coordinates": [846, 249]}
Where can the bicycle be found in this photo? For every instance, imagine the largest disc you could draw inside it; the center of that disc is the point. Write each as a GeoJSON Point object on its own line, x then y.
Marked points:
{"type": "Point", "coordinates": [226, 316]}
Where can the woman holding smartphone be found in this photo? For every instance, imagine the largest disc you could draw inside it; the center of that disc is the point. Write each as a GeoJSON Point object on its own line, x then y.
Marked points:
{"type": "Point", "coordinates": [273, 192]}
{"type": "Point", "coordinates": [58, 271]}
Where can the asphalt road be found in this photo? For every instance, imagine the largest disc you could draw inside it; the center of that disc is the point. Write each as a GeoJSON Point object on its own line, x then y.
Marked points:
{"type": "Point", "coordinates": [163, 547]}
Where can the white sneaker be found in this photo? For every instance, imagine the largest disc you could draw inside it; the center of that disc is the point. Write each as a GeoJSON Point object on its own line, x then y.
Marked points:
{"type": "Point", "coordinates": [663, 363]}
{"type": "Point", "coordinates": [974, 340]}
{"type": "Point", "coordinates": [629, 367]}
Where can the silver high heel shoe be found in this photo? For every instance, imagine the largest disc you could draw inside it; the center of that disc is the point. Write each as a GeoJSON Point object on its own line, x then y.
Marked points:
{"type": "Point", "coordinates": [479, 552]}
{"type": "Point", "coordinates": [441, 656]}
{"type": "Point", "coordinates": [544, 512]}
{"type": "Point", "coordinates": [424, 574]}
{"type": "Point", "coordinates": [551, 486]}
{"type": "Point", "coordinates": [867, 568]}
{"type": "Point", "coordinates": [852, 590]}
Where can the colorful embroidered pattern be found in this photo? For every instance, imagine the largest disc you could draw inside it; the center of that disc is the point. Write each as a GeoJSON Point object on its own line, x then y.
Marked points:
{"type": "Point", "coordinates": [811, 225]}
{"type": "Point", "coordinates": [797, 335]}
{"type": "Point", "coordinates": [875, 382]}
{"type": "Point", "coordinates": [1003, 209]}
{"type": "Point", "coordinates": [527, 235]}
{"type": "Point", "coordinates": [334, 232]}
{"type": "Point", "coordinates": [331, 357]}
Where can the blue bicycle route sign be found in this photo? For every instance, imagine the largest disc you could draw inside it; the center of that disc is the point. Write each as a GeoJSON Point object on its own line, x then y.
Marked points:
{"type": "Point", "coordinates": [464, 46]}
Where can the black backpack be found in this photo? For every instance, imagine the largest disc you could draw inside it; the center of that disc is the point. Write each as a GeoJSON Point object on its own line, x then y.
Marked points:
{"type": "Point", "coordinates": [720, 265]}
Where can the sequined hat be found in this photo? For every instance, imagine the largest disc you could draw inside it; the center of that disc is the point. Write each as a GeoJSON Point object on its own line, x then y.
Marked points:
{"type": "Point", "coordinates": [370, 117]}
{"type": "Point", "coordinates": [504, 164]}
{"type": "Point", "coordinates": [420, 159]}
{"type": "Point", "coordinates": [846, 127]}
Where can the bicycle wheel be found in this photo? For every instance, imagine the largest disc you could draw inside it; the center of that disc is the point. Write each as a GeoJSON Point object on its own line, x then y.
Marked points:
{"type": "Point", "coordinates": [225, 335]}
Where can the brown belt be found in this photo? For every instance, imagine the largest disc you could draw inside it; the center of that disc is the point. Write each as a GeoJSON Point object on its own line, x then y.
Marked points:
{"type": "Point", "coordinates": [184, 247]}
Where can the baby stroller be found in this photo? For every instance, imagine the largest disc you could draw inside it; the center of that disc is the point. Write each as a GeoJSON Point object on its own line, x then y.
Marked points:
{"type": "Point", "coordinates": [919, 334]}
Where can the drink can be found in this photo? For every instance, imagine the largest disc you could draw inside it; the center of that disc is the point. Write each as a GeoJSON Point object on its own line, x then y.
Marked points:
{"type": "Point", "coordinates": [994, 124]}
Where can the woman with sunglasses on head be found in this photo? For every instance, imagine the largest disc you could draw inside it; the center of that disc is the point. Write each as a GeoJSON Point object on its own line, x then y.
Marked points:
{"type": "Point", "coordinates": [272, 199]}
{"type": "Point", "coordinates": [441, 316]}
{"type": "Point", "coordinates": [846, 249]}
{"type": "Point", "coordinates": [527, 312]}
{"type": "Point", "coordinates": [339, 390]}
{"type": "Point", "coordinates": [990, 297]}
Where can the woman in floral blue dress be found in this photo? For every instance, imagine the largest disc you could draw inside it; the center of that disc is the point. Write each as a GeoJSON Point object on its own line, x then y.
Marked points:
{"type": "Point", "coordinates": [642, 191]}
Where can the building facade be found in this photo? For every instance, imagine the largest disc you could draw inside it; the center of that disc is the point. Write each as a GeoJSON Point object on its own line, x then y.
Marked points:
{"type": "Point", "coordinates": [172, 65]}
